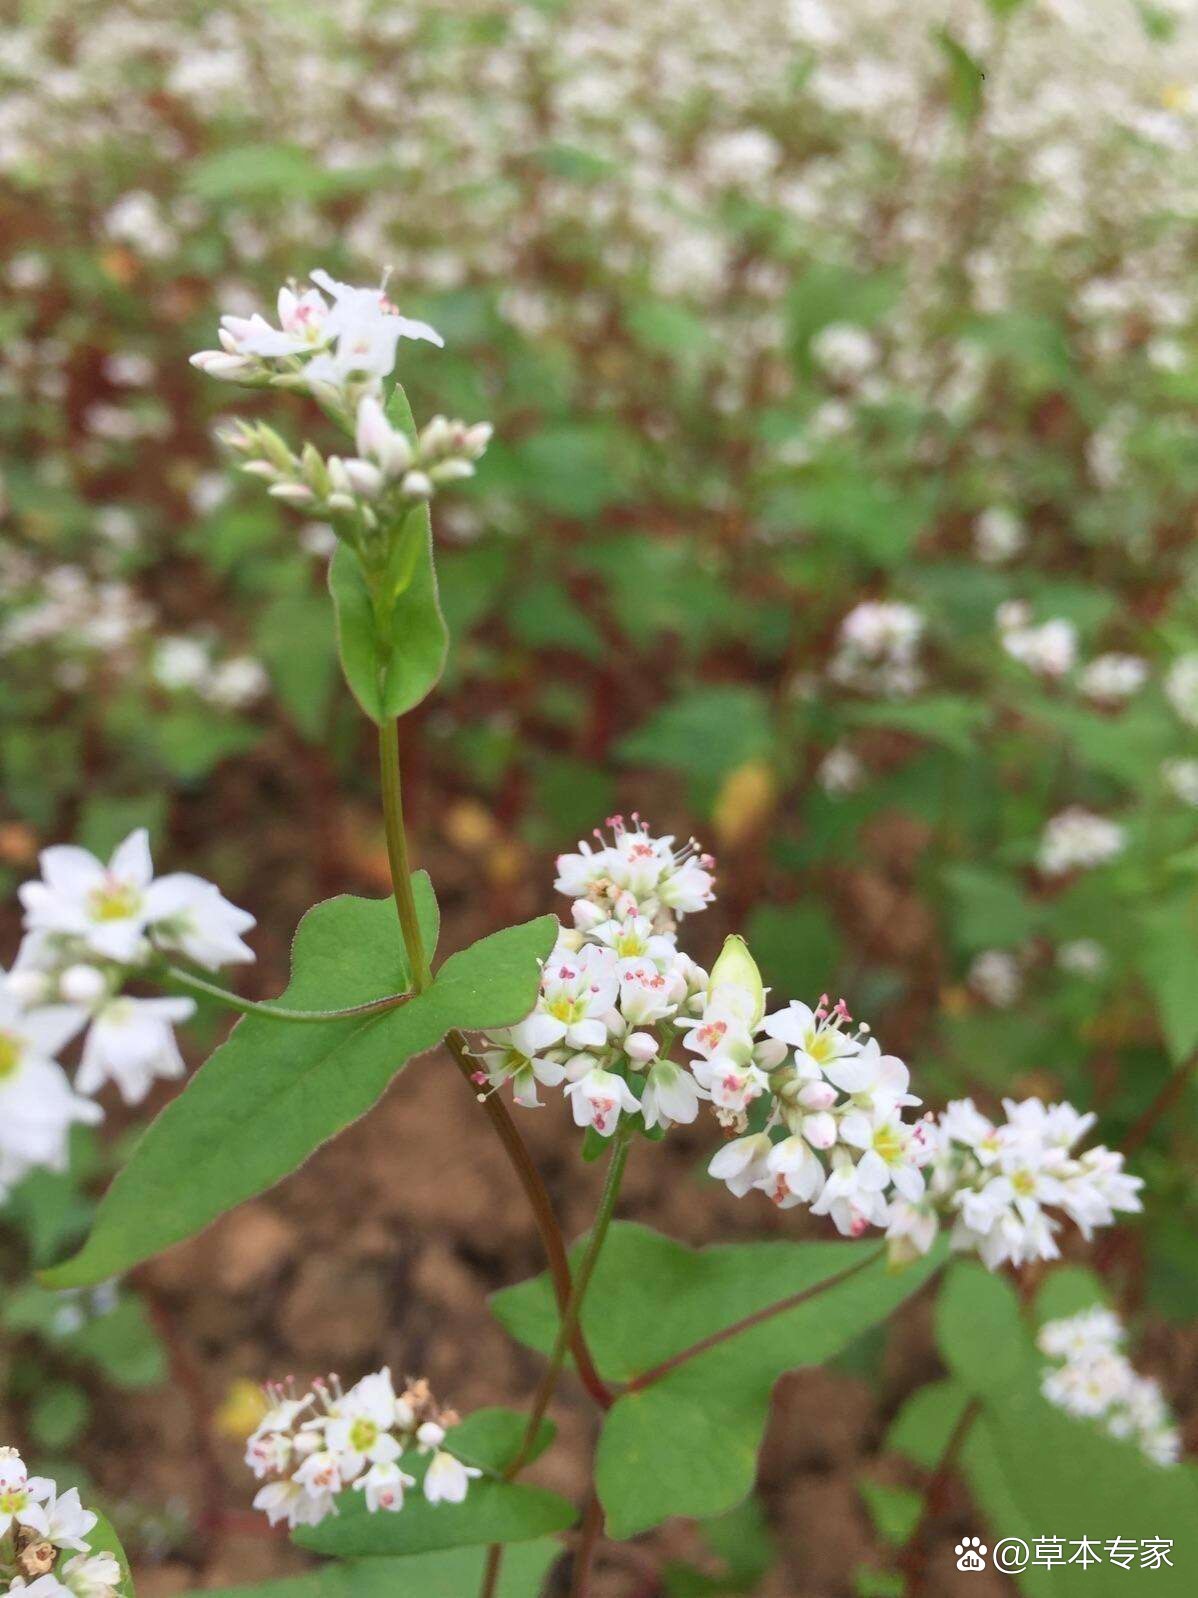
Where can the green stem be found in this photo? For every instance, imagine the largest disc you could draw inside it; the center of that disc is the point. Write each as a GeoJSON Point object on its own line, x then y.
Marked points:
{"type": "Point", "coordinates": [582, 1280]}
{"type": "Point", "coordinates": [278, 1012]}
{"type": "Point", "coordinates": [588, 1541]}
{"type": "Point", "coordinates": [397, 854]}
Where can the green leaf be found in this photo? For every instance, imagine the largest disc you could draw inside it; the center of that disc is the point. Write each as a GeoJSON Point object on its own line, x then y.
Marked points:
{"type": "Point", "coordinates": [923, 1426]}
{"type": "Point", "coordinates": [965, 76]}
{"type": "Point", "coordinates": [275, 1091]}
{"type": "Point", "coordinates": [895, 1511]}
{"type": "Point", "coordinates": [704, 733]}
{"type": "Point", "coordinates": [388, 680]}
{"type": "Point", "coordinates": [492, 1438]}
{"type": "Point", "coordinates": [493, 1512]}
{"type": "Point", "coordinates": [945, 719]}
{"type": "Point", "coordinates": [295, 639]}
{"type": "Point", "coordinates": [1168, 953]}
{"type": "Point", "coordinates": [687, 1444]}
{"type": "Point", "coordinates": [451, 1574]}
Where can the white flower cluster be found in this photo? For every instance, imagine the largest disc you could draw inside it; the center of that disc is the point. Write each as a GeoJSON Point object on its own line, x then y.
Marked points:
{"type": "Point", "coordinates": [308, 1448]}
{"type": "Point", "coordinates": [1078, 840]}
{"type": "Point", "coordinates": [325, 347]}
{"type": "Point", "coordinates": [182, 663]}
{"type": "Point", "coordinates": [846, 1150]}
{"type": "Point", "coordinates": [1095, 1380]}
{"type": "Point", "coordinates": [877, 649]}
{"type": "Point", "coordinates": [1049, 649]}
{"type": "Point", "coordinates": [89, 928]}
{"type": "Point", "coordinates": [995, 1185]}
{"type": "Point", "coordinates": [815, 1109]}
{"type": "Point", "coordinates": [340, 352]}
{"type": "Point", "coordinates": [38, 1526]}
{"type": "Point", "coordinates": [617, 988]}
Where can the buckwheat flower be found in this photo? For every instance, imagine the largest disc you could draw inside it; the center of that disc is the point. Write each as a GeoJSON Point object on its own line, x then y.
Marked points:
{"type": "Point", "coordinates": [854, 1194]}
{"type": "Point", "coordinates": [37, 1104]}
{"type": "Point", "coordinates": [447, 1480]}
{"type": "Point", "coordinates": [742, 1163]}
{"type": "Point", "coordinates": [579, 991]}
{"type": "Point", "coordinates": [998, 535]}
{"type": "Point", "coordinates": [846, 352]}
{"type": "Point", "coordinates": [598, 1099]}
{"type": "Point", "coordinates": [88, 1575]}
{"type": "Point", "coordinates": [519, 1057]}
{"type": "Point", "coordinates": [130, 1042]}
{"type": "Point", "coordinates": [1049, 650]}
{"type": "Point", "coordinates": [191, 916]}
{"type": "Point", "coordinates": [67, 1522]}
{"type": "Point", "coordinates": [319, 1474]}
{"type": "Point", "coordinates": [44, 1586]}
{"type": "Point", "coordinates": [303, 327]}
{"type": "Point", "coordinates": [179, 663]}
{"type": "Point", "coordinates": [671, 1095]}
{"type": "Point", "coordinates": [794, 1174]}
{"type": "Point", "coordinates": [1096, 1381]}
{"type": "Point", "coordinates": [108, 907]}
{"type": "Point", "coordinates": [840, 772]}
{"type": "Point", "coordinates": [996, 975]}
{"type": "Point", "coordinates": [1181, 688]}
{"type": "Point", "coordinates": [21, 1496]}
{"type": "Point", "coordinates": [1181, 779]}
{"type": "Point", "coordinates": [1111, 679]}
{"type": "Point", "coordinates": [291, 1501]}
{"type": "Point", "coordinates": [235, 683]}
{"type": "Point", "coordinates": [817, 1036]}
{"type": "Point", "coordinates": [384, 1485]}
{"type": "Point", "coordinates": [1076, 839]}
{"type": "Point", "coordinates": [357, 1431]}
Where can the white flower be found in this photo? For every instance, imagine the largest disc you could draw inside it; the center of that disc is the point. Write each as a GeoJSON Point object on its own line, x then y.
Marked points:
{"type": "Point", "coordinates": [1076, 839]}
{"type": "Point", "coordinates": [1110, 679]}
{"type": "Point", "coordinates": [1181, 688]}
{"type": "Point", "coordinates": [67, 1522]}
{"type": "Point", "coordinates": [47, 1586]}
{"type": "Point", "coordinates": [92, 1575]}
{"type": "Point", "coordinates": [598, 1098]}
{"type": "Point", "coordinates": [1049, 649]}
{"type": "Point", "coordinates": [108, 907]}
{"type": "Point", "coordinates": [844, 350]}
{"type": "Point", "coordinates": [447, 1479]}
{"type": "Point", "coordinates": [130, 1042]}
{"type": "Point", "coordinates": [996, 975]}
{"type": "Point", "coordinates": [579, 991]}
{"type": "Point", "coordinates": [21, 1495]}
{"type": "Point", "coordinates": [180, 663]}
{"type": "Point", "coordinates": [358, 1432]}
{"type": "Point", "coordinates": [998, 534]}
{"type": "Point", "coordinates": [384, 1485]}
{"type": "Point", "coordinates": [320, 1474]}
{"type": "Point", "coordinates": [192, 916]}
{"type": "Point", "coordinates": [1095, 1381]}
{"type": "Point", "coordinates": [291, 1501]}
{"type": "Point", "coordinates": [671, 1095]}
{"type": "Point", "coordinates": [816, 1036]}
{"type": "Point", "coordinates": [743, 1163]}
{"type": "Point", "coordinates": [37, 1104]}
{"type": "Point", "coordinates": [519, 1057]}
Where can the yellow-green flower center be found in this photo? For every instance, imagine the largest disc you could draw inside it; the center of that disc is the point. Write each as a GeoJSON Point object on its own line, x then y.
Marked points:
{"type": "Point", "coordinates": [889, 1144]}
{"type": "Point", "coordinates": [363, 1435]}
{"type": "Point", "coordinates": [567, 1010]}
{"type": "Point", "coordinates": [11, 1049]}
{"type": "Point", "coordinates": [14, 1501]}
{"type": "Point", "coordinates": [113, 901]}
{"type": "Point", "coordinates": [1024, 1184]}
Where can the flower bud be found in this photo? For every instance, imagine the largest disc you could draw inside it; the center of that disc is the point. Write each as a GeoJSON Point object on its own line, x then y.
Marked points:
{"type": "Point", "coordinates": [737, 981]}
{"type": "Point", "coordinates": [816, 1096]}
{"type": "Point", "coordinates": [27, 987]}
{"type": "Point", "coordinates": [82, 984]}
{"type": "Point", "coordinates": [820, 1130]}
{"type": "Point", "coordinates": [418, 485]}
{"type": "Point", "coordinates": [640, 1047]}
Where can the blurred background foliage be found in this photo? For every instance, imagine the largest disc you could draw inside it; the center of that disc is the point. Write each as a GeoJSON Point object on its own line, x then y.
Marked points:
{"type": "Point", "coordinates": [779, 310]}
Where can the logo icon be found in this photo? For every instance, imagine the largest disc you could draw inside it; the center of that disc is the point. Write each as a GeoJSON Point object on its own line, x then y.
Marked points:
{"type": "Point", "coordinates": [971, 1554]}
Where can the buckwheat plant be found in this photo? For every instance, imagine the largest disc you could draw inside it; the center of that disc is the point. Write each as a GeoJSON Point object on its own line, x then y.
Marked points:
{"type": "Point", "coordinates": [606, 1013]}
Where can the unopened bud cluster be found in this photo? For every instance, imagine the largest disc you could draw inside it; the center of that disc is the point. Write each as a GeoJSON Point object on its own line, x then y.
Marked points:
{"type": "Point", "coordinates": [1093, 1379]}
{"type": "Point", "coordinates": [90, 929]}
{"type": "Point", "coordinates": [311, 1446]}
{"type": "Point", "coordinates": [44, 1547]}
